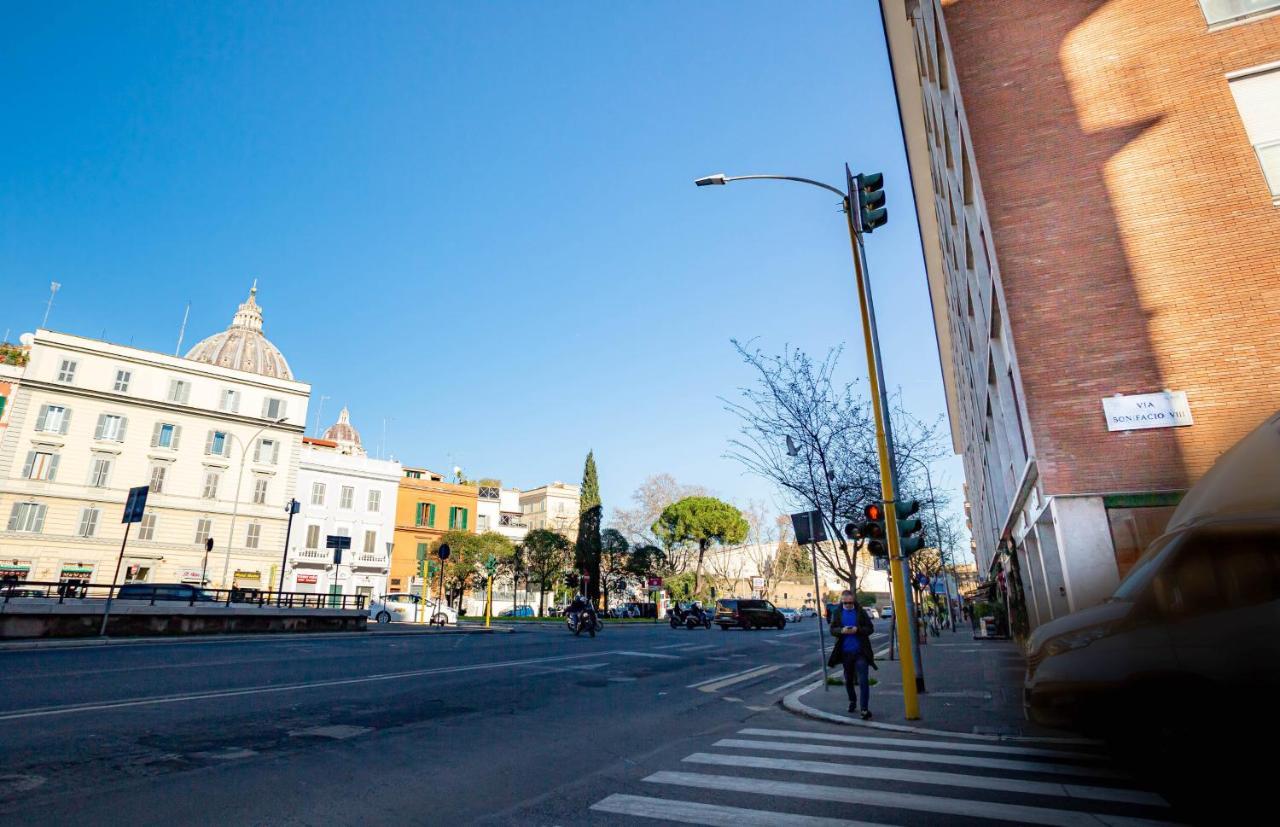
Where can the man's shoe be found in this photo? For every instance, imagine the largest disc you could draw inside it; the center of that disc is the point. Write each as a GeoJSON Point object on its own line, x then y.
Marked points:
{"type": "Point", "coordinates": [864, 714]}
{"type": "Point", "coordinates": [853, 706]}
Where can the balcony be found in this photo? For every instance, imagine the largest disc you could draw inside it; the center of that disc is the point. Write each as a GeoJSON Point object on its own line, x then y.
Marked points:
{"type": "Point", "coordinates": [315, 556]}
{"type": "Point", "coordinates": [489, 492]}
{"type": "Point", "coordinates": [369, 561]}
{"type": "Point", "coordinates": [511, 521]}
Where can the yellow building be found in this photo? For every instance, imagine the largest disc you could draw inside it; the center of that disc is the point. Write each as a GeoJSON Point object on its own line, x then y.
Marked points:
{"type": "Point", "coordinates": [426, 507]}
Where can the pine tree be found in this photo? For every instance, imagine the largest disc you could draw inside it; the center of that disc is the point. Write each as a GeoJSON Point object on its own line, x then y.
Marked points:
{"type": "Point", "coordinates": [587, 551]}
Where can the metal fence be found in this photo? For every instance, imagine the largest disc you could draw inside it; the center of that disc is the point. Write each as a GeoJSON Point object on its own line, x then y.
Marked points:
{"type": "Point", "coordinates": [175, 594]}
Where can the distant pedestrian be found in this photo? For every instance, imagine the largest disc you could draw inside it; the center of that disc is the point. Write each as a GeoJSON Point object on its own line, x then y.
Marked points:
{"type": "Point", "coordinates": [851, 628]}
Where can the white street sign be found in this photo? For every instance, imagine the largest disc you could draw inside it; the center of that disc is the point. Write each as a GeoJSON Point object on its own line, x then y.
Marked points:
{"type": "Point", "coordinates": [1147, 410]}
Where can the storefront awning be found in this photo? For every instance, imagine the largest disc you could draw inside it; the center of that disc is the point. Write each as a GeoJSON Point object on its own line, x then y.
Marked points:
{"type": "Point", "coordinates": [77, 570]}
{"type": "Point", "coordinates": [6, 567]}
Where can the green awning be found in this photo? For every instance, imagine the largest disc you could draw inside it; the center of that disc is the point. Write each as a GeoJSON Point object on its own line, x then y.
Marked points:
{"type": "Point", "coordinates": [7, 567]}
{"type": "Point", "coordinates": [76, 570]}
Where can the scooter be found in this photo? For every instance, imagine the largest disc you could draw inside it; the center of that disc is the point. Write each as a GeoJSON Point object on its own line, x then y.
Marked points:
{"type": "Point", "coordinates": [688, 618]}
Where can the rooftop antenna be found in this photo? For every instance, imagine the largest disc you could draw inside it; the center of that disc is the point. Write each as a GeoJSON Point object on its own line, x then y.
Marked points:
{"type": "Point", "coordinates": [319, 411]}
{"type": "Point", "coordinates": [53, 288]}
{"type": "Point", "coordinates": [382, 447]}
{"type": "Point", "coordinates": [182, 331]}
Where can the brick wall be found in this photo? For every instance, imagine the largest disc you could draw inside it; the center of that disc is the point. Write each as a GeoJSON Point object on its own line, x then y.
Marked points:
{"type": "Point", "coordinates": [1137, 242]}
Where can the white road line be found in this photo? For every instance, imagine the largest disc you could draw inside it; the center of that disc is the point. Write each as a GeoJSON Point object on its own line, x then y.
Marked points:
{"type": "Point", "coordinates": [47, 711]}
{"type": "Point", "coordinates": [815, 673]}
{"type": "Point", "coordinates": [692, 812]}
{"type": "Point", "coordinates": [675, 646]}
{"type": "Point", "coordinates": [688, 649]}
{"type": "Point", "coordinates": [646, 655]}
{"type": "Point", "coordinates": [758, 672]}
{"type": "Point", "coordinates": [945, 779]}
{"type": "Point", "coordinates": [937, 805]}
{"type": "Point", "coordinates": [920, 757]}
{"type": "Point", "coordinates": [719, 677]}
{"type": "Point", "coordinates": [902, 742]}
{"type": "Point", "coordinates": [795, 634]}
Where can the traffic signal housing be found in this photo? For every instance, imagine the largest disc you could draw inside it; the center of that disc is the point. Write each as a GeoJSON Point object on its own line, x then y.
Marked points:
{"type": "Point", "coordinates": [909, 527]}
{"type": "Point", "coordinates": [872, 530]}
{"type": "Point", "coordinates": [871, 210]}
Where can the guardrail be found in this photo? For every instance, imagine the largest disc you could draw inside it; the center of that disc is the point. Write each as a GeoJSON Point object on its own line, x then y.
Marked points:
{"type": "Point", "coordinates": [166, 594]}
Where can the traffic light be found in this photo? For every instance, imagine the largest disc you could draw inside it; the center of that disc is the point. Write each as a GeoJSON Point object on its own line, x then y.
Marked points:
{"type": "Point", "coordinates": [871, 209]}
{"type": "Point", "coordinates": [909, 527]}
{"type": "Point", "coordinates": [872, 530]}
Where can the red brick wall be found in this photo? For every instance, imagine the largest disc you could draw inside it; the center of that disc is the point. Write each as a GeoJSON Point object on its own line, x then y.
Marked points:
{"type": "Point", "coordinates": [1136, 238]}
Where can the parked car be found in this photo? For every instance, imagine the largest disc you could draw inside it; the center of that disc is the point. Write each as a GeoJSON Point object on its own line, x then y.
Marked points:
{"type": "Point", "coordinates": [806, 612]}
{"type": "Point", "coordinates": [748, 614]}
{"type": "Point", "coordinates": [518, 611]}
{"type": "Point", "coordinates": [791, 615]}
{"type": "Point", "coordinates": [404, 609]}
{"type": "Point", "coordinates": [886, 613]}
{"type": "Point", "coordinates": [164, 591]}
{"type": "Point", "coordinates": [872, 612]}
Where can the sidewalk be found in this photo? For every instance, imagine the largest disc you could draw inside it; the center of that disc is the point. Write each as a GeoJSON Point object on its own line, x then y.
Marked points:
{"type": "Point", "coordinates": [974, 692]}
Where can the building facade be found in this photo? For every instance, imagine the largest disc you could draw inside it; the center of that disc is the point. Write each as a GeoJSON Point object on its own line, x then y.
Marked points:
{"type": "Point", "coordinates": [426, 508]}
{"type": "Point", "coordinates": [214, 442]}
{"type": "Point", "coordinates": [553, 506]}
{"type": "Point", "coordinates": [1097, 184]}
{"type": "Point", "coordinates": [342, 491]}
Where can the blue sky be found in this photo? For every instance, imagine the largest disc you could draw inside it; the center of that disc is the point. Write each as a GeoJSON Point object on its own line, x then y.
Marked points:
{"type": "Point", "coordinates": [475, 219]}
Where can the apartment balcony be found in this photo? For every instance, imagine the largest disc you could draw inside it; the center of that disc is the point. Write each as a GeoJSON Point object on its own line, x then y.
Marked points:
{"type": "Point", "coordinates": [511, 521]}
{"type": "Point", "coordinates": [369, 561]}
{"type": "Point", "coordinates": [314, 556]}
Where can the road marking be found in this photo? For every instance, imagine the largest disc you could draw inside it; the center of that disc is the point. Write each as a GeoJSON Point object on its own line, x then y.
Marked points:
{"type": "Point", "coordinates": [715, 815]}
{"type": "Point", "coordinates": [752, 674]}
{"type": "Point", "coordinates": [920, 757]}
{"type": "Point", "coordinates": [733, 675]}
{"type": "Point", "coordinates": [338, 732]}
{"type": "Point", "coordinates": [905, 801]}
{"type": "Point", "coordinates": [902, 742]}
{"type": "Point", "coordinates": [41, 712]}
{"type": "Point", "coordinates": [815, 673]}
{"type": "Point", "coordinates": [697, 648]}
{"type": "Point", "coordinates": [646, 655]}
{"type": "Point", "coordinates": [945, 779]}
{"type": "Point", "coordinates": [717, 678]}
{"type": "Point", "coordinates": [795, 634]}
{"type": "Point", "coordinates": [675, 646]}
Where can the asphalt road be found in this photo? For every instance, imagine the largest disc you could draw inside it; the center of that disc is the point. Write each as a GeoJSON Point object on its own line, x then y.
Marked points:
{"type": "Point", "coordinates": [642, 724]}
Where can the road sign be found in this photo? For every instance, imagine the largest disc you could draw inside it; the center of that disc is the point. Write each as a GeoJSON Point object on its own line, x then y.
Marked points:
{"type": "Point", "coordinates": [338, 541]}
{"type": "Point", "coordinates": [443, 551]}
{"type": "Point", "coordinates": [757, 582]}
{"type": "Point", "coordinates": [880, 563]}
{"type": "Point", "coordinates": [809, 527]}
{"type": "Point", "coordinates": [135, 505]}
{"type": "Point", "coordinates": [655, 582]}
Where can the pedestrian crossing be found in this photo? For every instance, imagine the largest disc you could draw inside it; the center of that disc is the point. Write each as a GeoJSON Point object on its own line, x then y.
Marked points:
{"type": "Point", "coordinates": [825, 777]}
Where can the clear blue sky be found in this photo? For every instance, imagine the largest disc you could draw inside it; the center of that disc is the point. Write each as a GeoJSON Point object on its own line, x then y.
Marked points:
{"type": "Point", "coordinates": [474, 218]}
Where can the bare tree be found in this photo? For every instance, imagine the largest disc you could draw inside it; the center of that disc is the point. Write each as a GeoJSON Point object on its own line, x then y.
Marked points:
{"type": "Point", "coordinates": [636, 523]}
{"type": "Point", "coordinates": [815, 439]}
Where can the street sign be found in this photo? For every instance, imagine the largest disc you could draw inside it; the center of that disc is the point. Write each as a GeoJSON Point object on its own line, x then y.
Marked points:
{"type": "Point", "coordinates": [655, 582]}
{"type": "Point", "coordinates": [880, 563]}
{"type": "Point", "coordinates": [135, 505]}
{"type": "Point", "coordinates": [337, 541]}
{"type": "Point", "coordinates": [757, 582]}
{"type": "Point", "coordinates": [443, 551]}
{"type": "Point", "coordinates": [809, 527]}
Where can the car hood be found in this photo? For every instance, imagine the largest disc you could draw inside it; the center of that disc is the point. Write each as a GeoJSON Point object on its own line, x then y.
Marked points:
{"type": "Point", "coordinates": [1074, 622]}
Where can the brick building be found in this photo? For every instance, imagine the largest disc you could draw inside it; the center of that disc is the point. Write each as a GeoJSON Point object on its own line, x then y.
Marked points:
{"type": "Point", "coordinates": [1098, 188]}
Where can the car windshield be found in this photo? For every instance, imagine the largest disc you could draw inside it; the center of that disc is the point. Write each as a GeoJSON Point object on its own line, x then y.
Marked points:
{"type": "Point", "coordinates": [1143, 571]}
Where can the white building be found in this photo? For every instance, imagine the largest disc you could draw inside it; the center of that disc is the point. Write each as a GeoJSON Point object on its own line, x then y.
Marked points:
{"type": "Point", "coordinates": [215, 436]}
{"type": "Point", "coordinates": [553, 506]}
{"type": "Point", "coordinates": [342, 491]}
{"type": "Point", "coordinates": [498, 509]}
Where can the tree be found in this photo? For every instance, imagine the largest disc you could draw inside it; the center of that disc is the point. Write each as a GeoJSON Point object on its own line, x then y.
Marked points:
{"type": "Point", "coordinates": [654, 494]}
{"type": "Point", "coordinates": [614, 563]}
{"type": "Point", "coordinates": [546, 554]}
{"type": "Point", "coordinates": [703, 521]}
{"type": "Point", "coordinates": [586, 556]}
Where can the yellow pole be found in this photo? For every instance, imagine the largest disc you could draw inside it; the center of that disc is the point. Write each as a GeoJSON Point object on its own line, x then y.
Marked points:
{"type": "Point", "coordinates": [910, 699]}
{"type": "Point", "coordinates": [488, 603]}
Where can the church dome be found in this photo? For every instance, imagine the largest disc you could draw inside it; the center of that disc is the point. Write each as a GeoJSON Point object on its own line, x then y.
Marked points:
{"type": "Point", "coordinates": [242, 345]}
{"type": "Point", "coordinates": [345, 434]}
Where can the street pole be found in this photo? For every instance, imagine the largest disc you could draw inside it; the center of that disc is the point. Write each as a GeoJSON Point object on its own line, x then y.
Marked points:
{"type": "Point", "coordinates": [422, 594]}
{"type": "Point", "coordinates": [235, 505]}
{"type": "Point", "coordinates": [292, 507]}
{"type": "Point", "coordinates": [937, 533]}
{"type": "Point", "coordinates": [817, 591]}
{"type": "Point", "coordinates": [111, 591]}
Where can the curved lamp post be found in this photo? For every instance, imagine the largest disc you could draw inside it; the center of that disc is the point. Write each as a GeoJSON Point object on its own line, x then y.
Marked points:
{"type": "Point", "coordinates": [235, 505]}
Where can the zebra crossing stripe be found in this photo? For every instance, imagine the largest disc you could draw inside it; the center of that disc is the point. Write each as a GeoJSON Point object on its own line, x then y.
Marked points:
{"type": "Point", "coordinates": [937, 805]}
{"type": "Point", "coordinates": [943, 779]}
{"type": "Point", "coordinates": [920, 757]}
{"type": "Point", "coordinates": [714, 815]}
{"type": "Point", "coordinates": [759, 672]}
{"type": "Point", "coordinates": [938, 745]}
{"type": "Point", "coordinates": [723, 677]}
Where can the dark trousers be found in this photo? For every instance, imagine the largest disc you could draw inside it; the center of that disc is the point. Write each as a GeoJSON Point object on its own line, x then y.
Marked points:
{"type": "Point", "coordinates": [857, 668]}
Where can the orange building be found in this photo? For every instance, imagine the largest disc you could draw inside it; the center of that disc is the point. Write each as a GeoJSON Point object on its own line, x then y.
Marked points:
{"type": "Point", "coordinates": [426, 507]}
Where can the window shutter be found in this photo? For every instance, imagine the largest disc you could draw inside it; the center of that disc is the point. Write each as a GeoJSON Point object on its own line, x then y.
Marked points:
{"type": "Point", "coordinates": [44, 414]}
{"type": "Point", "coordinates": [124, 423]}
{"type": "Point", "coordinates": [31, 461]}
{"type": "Point", "coordinates": [177, 432]}
{"type": "Point", "coordinates": [186, 392]}
{"type": "Point", "coordinates": [266, 403]}
{"type": "Point", "coordinates": [39, 524]}
{"type": "Point", "coordinates": [53, 467]}
{"type": "Point", "coordinates": [155, 435]}
{"type": "Point", "coordinates": [13, 516]}
{"type": "Point", "coordinates": [66, 420]}
{"type": "Point", "coordinates": [208, 443]}
{"type": "Point", "coordinates": [85, 519]}
{"type": "Point", "coordinates": [431, 514]}
{"type": "Point", "coordinates": [464, 518]}
{"type": "Point", "coordinates": [282, 408]}
{"type": "Point", "coordinates": [102, 422]}
{"type": "Point", "coordinates": [275, 451]}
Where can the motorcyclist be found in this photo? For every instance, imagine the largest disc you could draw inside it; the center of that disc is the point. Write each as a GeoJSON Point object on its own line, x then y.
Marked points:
{"type": "Point", "coordinates": [580, 604]}
{"type": "Point", "coordinates": [697, 611]}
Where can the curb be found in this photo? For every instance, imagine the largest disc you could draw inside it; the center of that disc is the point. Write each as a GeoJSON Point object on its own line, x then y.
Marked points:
{"type": "Point", "coordinates": [793, 704]}
{"type": "Point", "coordinates": [85, 643]}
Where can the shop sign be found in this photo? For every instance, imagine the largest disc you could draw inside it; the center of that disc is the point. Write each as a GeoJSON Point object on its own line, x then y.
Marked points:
{"type": "Point", "coordinates": [306, 578]}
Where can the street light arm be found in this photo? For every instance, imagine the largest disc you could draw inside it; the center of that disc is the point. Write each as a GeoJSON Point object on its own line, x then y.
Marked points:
{"type": "Point", "coordinates": [724, 179]}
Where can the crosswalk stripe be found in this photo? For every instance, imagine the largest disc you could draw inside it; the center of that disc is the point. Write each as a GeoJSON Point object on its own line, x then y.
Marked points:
{"type": "Point", "coordinates": [920, 757]}
{"type": "Point", "coordinates": [647, 655]}
{"type": "Point", "coordinates": [759, 672]}
{"type": "Point", "coordinates": [712, 814]}
{"type": "Point", "coordinates": [720, 678]}
{"type": "Point", "coordinates": [814, 674]}
{"type": "Point", "coordinates": [944, 779]}
{"type": "Point", "coordinates": [675, 646]}
{"type": "Point", "coordinates": [939, 745]}
{"type": "Point", "coordinates": [697, 648]}
{"type": "Point", "coordinates": [906, 801]}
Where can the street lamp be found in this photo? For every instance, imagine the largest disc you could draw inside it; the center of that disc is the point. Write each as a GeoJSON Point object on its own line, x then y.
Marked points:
{"type": "Point", "coordinates": [235, 505]}
{"type": "Point", "coordinates": [850, 198]}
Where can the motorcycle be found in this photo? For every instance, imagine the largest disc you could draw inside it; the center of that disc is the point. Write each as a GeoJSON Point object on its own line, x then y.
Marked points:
{"type": "Point", "coordinates": [690, 618]}
{"type": "Point", "coordinates": [588, 621]}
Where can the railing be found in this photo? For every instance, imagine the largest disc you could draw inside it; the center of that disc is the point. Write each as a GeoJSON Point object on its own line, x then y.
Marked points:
{"type": "Point", "coordinates": [370, 560]}
{"type": "Point", "coordinates": [177, 595]}
{"type": "Point", "coordinates": [316, 554]}
{"type": "Point", "coordinates": [488, 492]}
{"type": "Point", "coordinates": [510, 521]}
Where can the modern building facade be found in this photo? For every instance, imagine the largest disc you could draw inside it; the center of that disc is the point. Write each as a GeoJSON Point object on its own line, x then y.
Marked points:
{"type": "Point", "coordinates": [342, 491]}
{"type": "Point", "coordinates": [426, 508]}
{"type": "Point", "coordinates": [1097, 185]}
{"type": "Point", "coordinates": [498, 510]}
{"type": "Point", "coordinates": [214, 438]}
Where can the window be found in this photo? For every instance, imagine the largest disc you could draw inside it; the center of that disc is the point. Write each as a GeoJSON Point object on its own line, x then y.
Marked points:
{"type": "Point", "coordinates": [370, 542]}
{"type": "Point", "coordinates": [482, 522]}
{"type": "Point", "coordinates": [165, 435]}
{"type": "Point", "coordinates": [27, 517]}
{"type": "Point", "coordinates": [375, 501]}
{"type": "Point", "coordinates": [210, 485]}
{"type": "Point", "coordinates": [458, 518]}
{"type": "Point", "coordinates": [100, 472]}
{"type": "Point", "coordinates": [215, 444]}
{"type": "Point", "coordinates": [1225, 11]}
{"type": "Point", "coordinates": [348, 496]}
{"type": "Point", "coordinates": [204, 529]}
{"type": "Point", "coordinates": [317, 493]}
{"type": "Point", "coordinates": [179, 391]}
{"type": "Point", "coordinates": [272, 408]}
{"type": "Point", "coordinates": [426, 515]}
{"type": "Point", "coordinates": [157, 479]}
{"type": "Point", "coordinates": [147, 528]}
{"type": "Point", "coordinates": [88, 522]}
{"type": "Point", "coordinates": [1258, 99]}
{"type": "Point", "coordinates": [267, 451]}
{"type": "Point", "coordinates": [252, 535]}
{"type": "Point", "coordinates": [122, 381]}
{"type": "Point", "coordinates": [110, 427]}
{"type": "Point", "coordinates": [67, 372]}
{"type": "Point", "coordinates": [53, 419]}
{"type": "Point", "coordinates": [229, 400]}
{"type": "Point", "coordinates": [313, 536]}
{"type": "Point", "coordinates": [260, 490]}
{"type": "Point", "coordinates": [41, 465]}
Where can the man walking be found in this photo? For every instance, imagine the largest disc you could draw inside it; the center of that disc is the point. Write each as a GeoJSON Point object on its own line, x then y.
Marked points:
{"type": "Point", "coordinates": [851, 628]}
